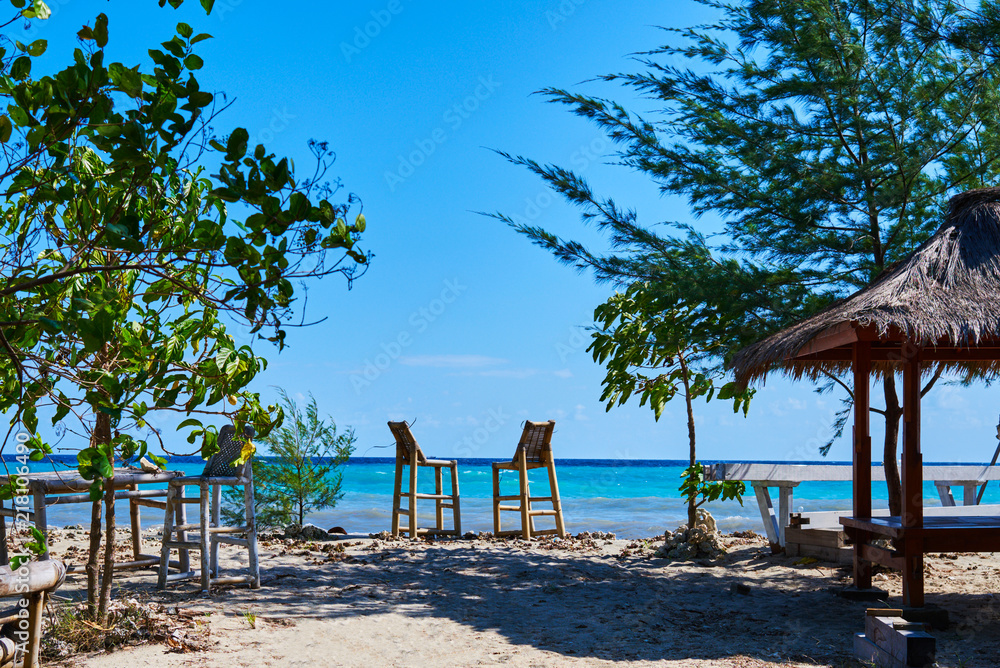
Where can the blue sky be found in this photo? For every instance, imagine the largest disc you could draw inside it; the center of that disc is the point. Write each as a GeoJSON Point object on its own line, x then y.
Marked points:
{"type": "Point", "coordinates": [460, 324]}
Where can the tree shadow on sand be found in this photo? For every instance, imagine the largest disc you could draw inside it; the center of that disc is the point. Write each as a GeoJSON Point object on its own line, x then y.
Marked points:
{"type": "Point", "coordinates": [596, 607]}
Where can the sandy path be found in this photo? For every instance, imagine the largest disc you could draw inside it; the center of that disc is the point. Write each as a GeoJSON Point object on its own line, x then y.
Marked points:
{"type": "Point", "coordinates": [603, 603]}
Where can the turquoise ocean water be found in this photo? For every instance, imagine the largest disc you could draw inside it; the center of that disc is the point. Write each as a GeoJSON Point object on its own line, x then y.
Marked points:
{"type": "Point", "coordinates": [632, 498]}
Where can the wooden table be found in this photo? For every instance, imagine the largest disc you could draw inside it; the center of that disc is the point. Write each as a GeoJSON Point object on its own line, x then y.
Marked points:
{"type": "Point", "coordinates": [51, 488]}
{"type": "Point", "coordinates": [787, 476]}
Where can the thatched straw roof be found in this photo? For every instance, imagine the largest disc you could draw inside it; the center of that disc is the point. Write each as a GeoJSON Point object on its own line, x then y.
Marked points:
{"type": "Point", "coordinates": [946, 293]}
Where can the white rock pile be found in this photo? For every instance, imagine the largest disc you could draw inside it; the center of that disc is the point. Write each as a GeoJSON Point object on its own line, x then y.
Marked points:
{"type": "Point", "coordinates": [701, 542]}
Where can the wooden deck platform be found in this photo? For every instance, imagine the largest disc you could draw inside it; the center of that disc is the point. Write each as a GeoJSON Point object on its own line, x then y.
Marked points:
{"type": "Point", "coordinates": [821, 536]}
{"type": "Point", "coordinates": [967, 533]}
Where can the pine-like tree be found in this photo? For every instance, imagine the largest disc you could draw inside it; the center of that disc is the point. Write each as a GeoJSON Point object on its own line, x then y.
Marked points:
{"type": "Point", "coordinates": [826, 136]}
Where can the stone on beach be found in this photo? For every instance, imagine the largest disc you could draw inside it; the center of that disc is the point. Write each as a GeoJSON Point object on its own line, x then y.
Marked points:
{"type": "Point", "coordinates": [306, 532]}
{"type": "Point", "coordinates": [702, 541]}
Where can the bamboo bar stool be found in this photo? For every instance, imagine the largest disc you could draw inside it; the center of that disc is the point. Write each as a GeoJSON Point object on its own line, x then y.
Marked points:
{"type": "Point", "coordinates": [533, 452]}
{"type": "Point", "coordinates": [219, 471]}
{"type": "Point", "coordinates": [408, 453]}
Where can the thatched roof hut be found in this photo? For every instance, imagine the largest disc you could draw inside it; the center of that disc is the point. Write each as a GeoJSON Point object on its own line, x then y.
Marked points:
{"type": "Point", "coordinates": [946, 294]}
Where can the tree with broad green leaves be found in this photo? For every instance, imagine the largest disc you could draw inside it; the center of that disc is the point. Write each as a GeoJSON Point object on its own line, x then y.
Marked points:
{"type": "Point", "coordinates": [826, 137]}
{"type": "Point", "coordinates": [657, 347]}
{"type": "Point", "coordinates": [304, 472]}
{"type": "Point", "coordinates": [133, 234]}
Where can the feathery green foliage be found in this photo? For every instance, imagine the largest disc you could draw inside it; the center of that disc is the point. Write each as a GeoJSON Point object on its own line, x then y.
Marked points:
{"type": "Point", "coordinates": [306, 471]}
{"type": "Point", "coordinates": [826, 136]}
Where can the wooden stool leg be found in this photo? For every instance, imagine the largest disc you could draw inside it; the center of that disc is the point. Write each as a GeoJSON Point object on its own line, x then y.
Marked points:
{"type": "Point", "coordinates": [36, 605]}
{"type": "Point", "coordinates": [527, 496]}
{"type": "Point", "coordinates": [216, 522]}
{"type": "Point", "coordinates": [183, 556]}
{"type": "Point", "coordinates": [206, 555]}
{"type": "Point", "coordinates": [455, 511]}
{"type": "Point", "coordinates": [251, 515]}
{"type": "Point", "coordinates": [556, 501]}
{"type": "Point", "coordinates": [522, 470]}
{"type": "Point", "coordinates": [396, 490]}
{"type": "Point", "coordinates": [439, 503]}
{"type": "Point", "coordinates": [41, 521]}
{"type": "Point", "coordinates": [134, 517]}
{"type": "Point", "coordinates": [496, 501]}
{"type": "Point", "coordinates": [4, 558]}
{"type": "Point", "coordinates": [413, 494]}
{"type": "Point", "coordinates": [168, 530]}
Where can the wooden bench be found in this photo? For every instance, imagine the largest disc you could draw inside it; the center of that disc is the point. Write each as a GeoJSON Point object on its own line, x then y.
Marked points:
{"type": "Point", "coordinates": [22, 624]}
{"type": "Point", "coordinates": [785, 477]}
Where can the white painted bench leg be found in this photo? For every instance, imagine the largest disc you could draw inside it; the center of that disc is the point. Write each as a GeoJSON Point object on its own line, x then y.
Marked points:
{"type": "Point", "coordinates": [944, 492]}
{"type": "Point", "coordinates": [766, 511]}
{"type": "Point", "coordinates": [784, 508]}
{"type": "Point", "coordinates": [969, 494]}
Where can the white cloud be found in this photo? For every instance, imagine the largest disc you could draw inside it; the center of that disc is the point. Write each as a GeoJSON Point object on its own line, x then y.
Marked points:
{"type": "Point", "coordinates": [563, 373]}
{"type": "Point", "coordinates": [580, 415]}
{"type": "Point", "coordinates": [451, 361]}
{"type": "Point", "coordinates": [509, 373]}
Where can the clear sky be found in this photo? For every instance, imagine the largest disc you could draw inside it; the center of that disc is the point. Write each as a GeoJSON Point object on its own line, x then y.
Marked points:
{"type": "Point", "coordinates": [460, 324]}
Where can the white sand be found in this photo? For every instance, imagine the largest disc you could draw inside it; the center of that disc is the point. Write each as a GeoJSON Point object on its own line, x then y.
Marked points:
{"type": "Point", "coordinates": [586, 603]}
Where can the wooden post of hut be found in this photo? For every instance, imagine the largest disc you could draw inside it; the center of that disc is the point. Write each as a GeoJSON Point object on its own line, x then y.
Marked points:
{"type": "Point", "coordinates": [938, 307]}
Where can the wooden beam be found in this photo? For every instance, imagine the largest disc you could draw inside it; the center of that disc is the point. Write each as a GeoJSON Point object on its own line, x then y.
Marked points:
{"type": "Point", "coordinates": [912, 475]}
{"type": "Point", "coordinates": [862, 457]}
{"type": "Point", "coordinates": [912, 460]}
{"type": "Point", "coordinates": [841, 334]}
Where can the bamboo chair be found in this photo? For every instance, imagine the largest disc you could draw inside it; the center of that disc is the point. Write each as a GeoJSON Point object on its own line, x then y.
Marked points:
{"type": "Point", "coordinates": [533, 452]}
{"type": "Point", "coordinates": [219, 471]}
{"type": "Point", "coordinates": [408, 453]}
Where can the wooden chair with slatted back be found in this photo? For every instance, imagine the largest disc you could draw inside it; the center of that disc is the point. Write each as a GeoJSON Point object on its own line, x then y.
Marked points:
{"type": "Point", "coordinates": [408, 453]}
{"type": "Point", "coordinates": [219, 471]}
{"type": "Point", "coordinates": [534, 451]}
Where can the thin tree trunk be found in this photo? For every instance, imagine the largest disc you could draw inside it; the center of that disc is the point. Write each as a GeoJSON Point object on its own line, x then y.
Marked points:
{"type": "Point", "coordinates": [92, 568]}
{"type": "Point", "coordinates": [692, 505]}
{"type": "Point", "coordinates": [893, 412]}
{"type": "Point", "coordinates": [101, 436]}
{"type": "Point", "coordinates": [109, 553]}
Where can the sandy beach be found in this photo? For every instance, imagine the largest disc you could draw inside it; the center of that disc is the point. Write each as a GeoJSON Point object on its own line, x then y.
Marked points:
{"type": "Point", "coordinates": [364, 602]}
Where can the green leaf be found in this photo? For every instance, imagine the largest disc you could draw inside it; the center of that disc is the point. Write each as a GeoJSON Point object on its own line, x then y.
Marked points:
{"type": "Point", "coordinates": [21, 69]}
{"type": "Point", "coordinates": [101, 30]}
{"type": "Point", "coordinates": [5, 129]}
{"type": "Point", "coordinates": [193, 62]}
{"type": "Point", "coordinates": [38, 47]}
{"type": "Point", "coordinates": [184, 30]}
{"type": "Point", "coordinates": [236, 146]}
{"type": "Point", "coordinates": [38, 10]}
{"type": "Point", "coordinates": [200, 37]}
{"type": "Point", "coordinates": [207, 5]}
